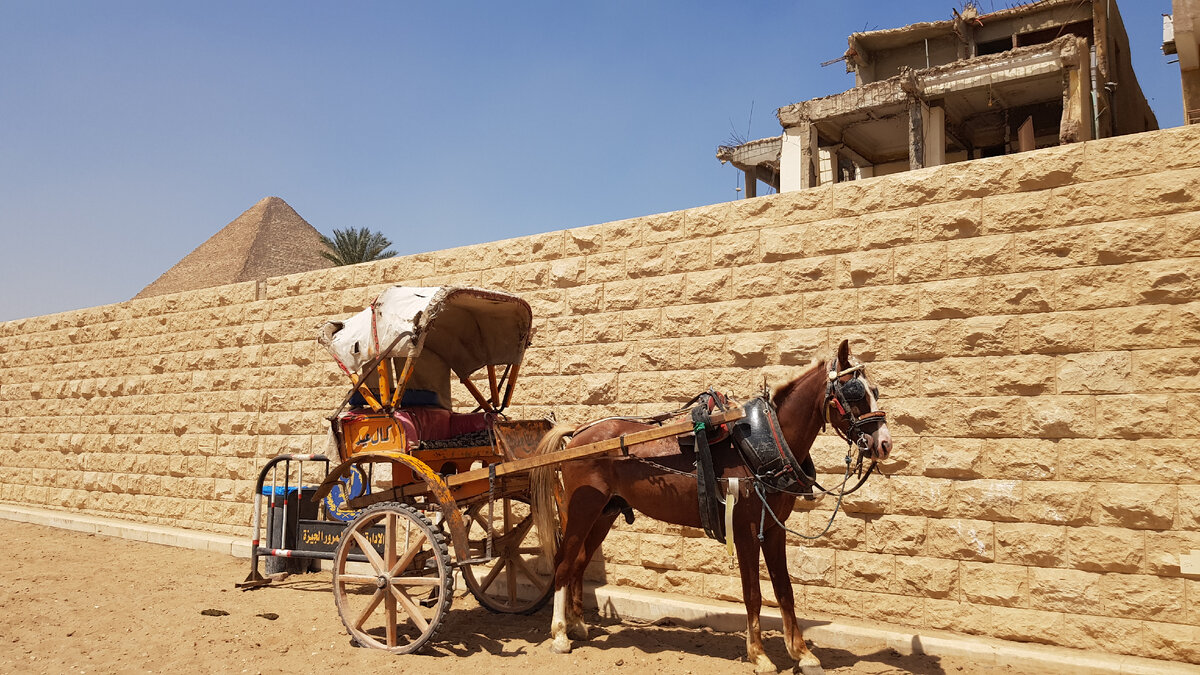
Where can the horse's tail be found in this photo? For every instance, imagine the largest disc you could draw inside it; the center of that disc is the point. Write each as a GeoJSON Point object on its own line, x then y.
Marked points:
{"type": "Point", "coordinates": [542, 483]}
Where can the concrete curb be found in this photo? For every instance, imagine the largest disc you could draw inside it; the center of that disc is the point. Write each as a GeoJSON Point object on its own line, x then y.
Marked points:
{"type": "Point", "coordinates": [642, 605]}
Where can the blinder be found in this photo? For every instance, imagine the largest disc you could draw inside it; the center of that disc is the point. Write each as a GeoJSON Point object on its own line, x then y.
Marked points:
{"type": "Point", "coordinates": [854, 390]}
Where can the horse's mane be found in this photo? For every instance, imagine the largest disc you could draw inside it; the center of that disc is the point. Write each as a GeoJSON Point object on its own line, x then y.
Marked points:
{"type": "Point", "coordinates": [783, 391]}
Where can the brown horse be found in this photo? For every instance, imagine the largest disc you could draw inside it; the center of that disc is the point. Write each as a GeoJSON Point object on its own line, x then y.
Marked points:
{"type": "Point", "coordinates": [658, 480]}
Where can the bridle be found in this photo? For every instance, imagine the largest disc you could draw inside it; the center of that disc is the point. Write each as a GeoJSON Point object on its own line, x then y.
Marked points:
{"type": "Point", "coordinates": [840, 396]}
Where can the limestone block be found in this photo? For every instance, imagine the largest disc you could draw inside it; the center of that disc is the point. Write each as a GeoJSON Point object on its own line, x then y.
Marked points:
{"type": "Point", "coordinates": [607, 266]}
{"type": "Point", "coordinates": [994, 500]}
{"type": "Point", "coordinates": [1106, 549]}
{"type": "Point", "coordinates": [583, 299]}
{"type": "Point", "coordinates": [900, 535]}
{"type": "Point", "coordinates": [1023, 375]}
{"type": "Point", "coordinates": [1019, 212]}
{"type": "Point", "coordinates": [1133, 197]}
{"type": "Point", "coordinates": [994, 584]}
{"type": "Point", "coordinates": [922, 262]}
{"type": "Point", "coordinates": [981, 256]}
{"type": "Point", "coordinates": [953, 298]}
{"type": "Point", "coordinates": [567, 272]}
{"type": "Point", "coordinates": [864, 571]}
{"type": "Point", "coordinates": [1140, 327]}
{"type": "Point", "coordinates": [950, 457]}
{"type": "Point", "coordinates": [736, 250]}
{"type": "Point", "coordinates": [683, 583]}
{"type": "Point", "coordinates": [1110, 157]}
{"type": "Point", "coordinates": [643, 355]}
{"type": "Point", "coordinates": [1145, 239]}
{"type": "Point", "coordinates": [1019, 459]}
{"type": "Point", "coordinates": [894, 378]}
{"type": "Point", "coordinates": [640, 324]}
{"type": "Point", "coordinates": [1062, 590]}
{"type": "Point", "coordinates": [961, 617]}
{"type": "Point", "coordinates": [1094, 287]}
{"type": "Point", "coordinates": [1130, 461]}
{"type": "Point", "coordinates": [583, 240]}
{"type": "Point", "coordinates": [597, 328]}
{"type": "Point", "coordinates": [848, 531]}
{"type": "Point", "coordinates": [1141, 507]}
{"type": "Point", "coordinates": [800, 347]}
{"type": "Point", "coordinates": [661, 552]}
{"type": "Point", "coordinates": [864, 268]}
{"type": "Point", "coordinates": [1172, 641]}
{"type": "Point", "coordinates": [550, 360]}
{"type": "Point", "coordinates": [830, 308]}
{"type": "Point", "coordinates": [1188, 516]}
{"type": "Point", "coordinates": [599, 389]}
{"type": "Point", "coordinates": [683, 321]}
{"type": "Point", "coordinates": [1019, 293]}
{"type": "Point", "coordinates": [956, 539]}
{"type": "Point", "coordinates": [621, 549]}
{"type": "Point", "coordinates": [551, 390]}
{"type": "Point", "coordinates": [1140, 596]}
{"type": "Point", "coordinates": [887, 230]}
{"type": "Point", "coordinates": [1133, 416]}
{"type": "Point", "coordinates": [622, 295]}
{"type": "Point", "coordinates": [1057, 503]}
{"type": "Point", "coordinates": [1095, 372]}
{"type": "Point", "coordinates": [749, 350]}
{"type": "Point", "coordinates": [755, 281]}
{"type": "Point", "coordinates": [892, 303]}
{"type": "Point", "coordinates": [1164, 548]}
{"type": "Point", "coordinates": [784, 243]}
{"type": "Point", "coordinates": [1166, 370]}
{"type": "Point", "coordinates": [1061, 332]}
{"type": "Point", "coordinates": [873, 497]}
{"type": "Point", "coordinates": [839, 235]}
{"type": "Point", "coordinates": [707, 286]}
{"type": "Point", "coordinates": [807, 274]}
{"type": "Point", "coordinates": [811, 566]}
{"type": "Point", "coordinates": [981, 336]}
{"type": "Point", "coordinates": [662, 291]}
{"type": "Point", "coordinates": [1031, 544]}
{"type": "Point", "coordinates": [913, 340]}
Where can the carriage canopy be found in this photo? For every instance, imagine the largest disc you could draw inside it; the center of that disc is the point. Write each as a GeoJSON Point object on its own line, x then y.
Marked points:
{"type": "Point", "coordinates": [454, 329]}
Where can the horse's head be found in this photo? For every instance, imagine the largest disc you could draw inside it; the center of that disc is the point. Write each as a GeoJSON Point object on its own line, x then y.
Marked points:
{"type": "Point", "coordinates": [852, 404]}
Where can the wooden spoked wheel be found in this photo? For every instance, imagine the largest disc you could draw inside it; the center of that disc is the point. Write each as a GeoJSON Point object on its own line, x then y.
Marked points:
{"type": "Point", "coordinates": [396, 599]}
{"type": "Point", "coordinates": [519, 579]}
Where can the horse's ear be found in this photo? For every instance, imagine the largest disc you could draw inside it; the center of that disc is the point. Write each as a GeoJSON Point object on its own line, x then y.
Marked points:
{"type": "Point", "coordinates": [843, 355]}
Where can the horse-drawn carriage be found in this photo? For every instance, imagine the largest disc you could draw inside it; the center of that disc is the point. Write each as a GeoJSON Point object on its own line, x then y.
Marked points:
{"type": "Point", "coordinates": [422, 491]}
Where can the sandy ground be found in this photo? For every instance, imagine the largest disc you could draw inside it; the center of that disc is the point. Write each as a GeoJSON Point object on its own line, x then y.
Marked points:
{"type": "Point", "coordinates": [77, 603]}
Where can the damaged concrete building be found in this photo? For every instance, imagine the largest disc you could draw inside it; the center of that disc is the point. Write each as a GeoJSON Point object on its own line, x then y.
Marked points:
{"type": "Point", "coordinates": [976, 85]}
{"type": "Point", "coordinates": [1181, 38]}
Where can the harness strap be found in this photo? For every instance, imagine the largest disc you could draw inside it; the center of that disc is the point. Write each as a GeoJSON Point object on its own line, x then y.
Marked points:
{"type": "Point", "coordinates": [706, 480]}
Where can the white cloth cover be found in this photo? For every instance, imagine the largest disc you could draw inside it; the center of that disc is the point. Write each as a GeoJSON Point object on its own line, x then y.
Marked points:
{"type": "Point", "coordinates": [396, 310]}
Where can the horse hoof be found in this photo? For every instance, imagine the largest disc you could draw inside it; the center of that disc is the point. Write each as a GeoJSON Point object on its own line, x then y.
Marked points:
{"type": "Point", "coordinates": [811, 670]}
{"type": "Point", "coordinates": [578, 633]}
{"type": "Point", "coordinates": [560, 647]}
{"type": "Point", "coordinates": [764, 665]}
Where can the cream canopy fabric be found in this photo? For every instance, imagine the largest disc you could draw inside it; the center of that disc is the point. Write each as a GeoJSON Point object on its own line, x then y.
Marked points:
{"type": "Point", "coordinates": [465, 328]}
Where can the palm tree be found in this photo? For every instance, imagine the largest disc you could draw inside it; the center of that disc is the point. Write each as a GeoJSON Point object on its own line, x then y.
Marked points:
{"type": "Point", "coordinates": [356, 245]}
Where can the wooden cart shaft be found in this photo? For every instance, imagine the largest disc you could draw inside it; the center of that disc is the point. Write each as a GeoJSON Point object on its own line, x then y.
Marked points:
{"type": "Point", "coordinates": [597, 449]}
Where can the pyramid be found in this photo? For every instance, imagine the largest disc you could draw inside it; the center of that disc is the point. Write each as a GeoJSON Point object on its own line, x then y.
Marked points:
{"type": "Point", "coordinates": [269, 239]}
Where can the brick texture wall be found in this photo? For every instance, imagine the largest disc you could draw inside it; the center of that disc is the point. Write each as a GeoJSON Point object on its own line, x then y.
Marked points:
{"type": "Point", "coordinates": [1033, 321]}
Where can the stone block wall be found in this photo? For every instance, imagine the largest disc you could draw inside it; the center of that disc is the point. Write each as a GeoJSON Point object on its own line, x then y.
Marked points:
{"type": "Point", "coordinates": [1033, 321]}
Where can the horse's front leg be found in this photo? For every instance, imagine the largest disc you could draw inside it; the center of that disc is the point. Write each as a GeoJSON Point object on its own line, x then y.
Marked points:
{"type": "Point", "coordinates": [746, 541]}
{"type": "Point", "coordinates": [775, 554]}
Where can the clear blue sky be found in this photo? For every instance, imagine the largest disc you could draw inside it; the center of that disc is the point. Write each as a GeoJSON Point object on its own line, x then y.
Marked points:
{"type": "Point", "coordinates": [130, 132]}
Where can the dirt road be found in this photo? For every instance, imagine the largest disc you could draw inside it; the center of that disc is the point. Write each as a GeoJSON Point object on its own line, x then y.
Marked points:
{"type": "Point", "coordinates": [79, 603]}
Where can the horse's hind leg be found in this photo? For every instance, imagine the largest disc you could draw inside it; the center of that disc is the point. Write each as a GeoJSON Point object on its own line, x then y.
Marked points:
{"type": "Point", "coordinates": [584, 507]}
{"type": "Point", "coordinates": [775, 554]}
{"type": "Point", "coordinates": [576, 628]}
{"type": "Point", "coordinates": [746, 540]}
